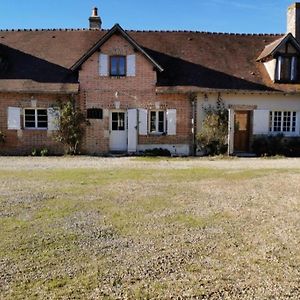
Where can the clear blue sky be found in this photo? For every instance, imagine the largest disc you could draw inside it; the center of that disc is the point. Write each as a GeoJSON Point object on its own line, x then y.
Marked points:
{"type": "Point", "coordinates": [249, 16]}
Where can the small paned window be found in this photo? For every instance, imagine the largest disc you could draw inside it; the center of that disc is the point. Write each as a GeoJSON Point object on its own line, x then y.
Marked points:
{"type": "Point", "coordinates": [36, 118]}
{"type": "Point", "coordinates": [118, 121]}
{"type": "Point", "coordinates": [282, 121]}
{"type": "Point", "coordinates": [157, 121]}
{"type": "Point", "coordinates": [117, 65]}
{"type": "Point", "coordinates": [94, 113]}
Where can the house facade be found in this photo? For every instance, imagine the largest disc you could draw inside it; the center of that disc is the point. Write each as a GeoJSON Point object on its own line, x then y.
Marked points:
{"type": "Point", "coordinates": [147, 89]}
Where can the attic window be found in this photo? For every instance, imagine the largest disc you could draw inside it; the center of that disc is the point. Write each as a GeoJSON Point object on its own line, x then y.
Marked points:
{"type": "Point", "coordinates": [286, 69]}
{"type": "Point", "coordinates": [118, 65]}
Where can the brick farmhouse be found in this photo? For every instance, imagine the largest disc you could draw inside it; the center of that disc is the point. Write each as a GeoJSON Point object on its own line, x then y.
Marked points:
{"type": "Point", "coordinates": [147, 89]}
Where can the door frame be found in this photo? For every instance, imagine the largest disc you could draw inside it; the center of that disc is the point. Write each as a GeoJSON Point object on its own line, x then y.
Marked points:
{"type": "Point", "coordinates": [249, 121]}
{"type": "Point", "coordinates": [125, 130]}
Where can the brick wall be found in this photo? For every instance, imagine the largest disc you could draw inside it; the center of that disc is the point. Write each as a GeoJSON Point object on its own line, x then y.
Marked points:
{"type": "Point", "coordinates": [25, 140]}
{"type": "Point", "coordinates": [133, 92]}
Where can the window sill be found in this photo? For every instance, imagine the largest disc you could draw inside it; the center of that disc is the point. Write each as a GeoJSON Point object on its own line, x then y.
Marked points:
{"type": "Point", "coordinates": [117, 76]}
{"type": "Point", "coordinates": [35, 129]}
{"type": "Point", "coordinates": [157, 133]}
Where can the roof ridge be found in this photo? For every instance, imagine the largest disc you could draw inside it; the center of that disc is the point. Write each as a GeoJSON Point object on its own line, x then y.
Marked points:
{"type": "Point", "coordinates": [207, 32]}
{"type": "Point", "coordinates": [141, 30]}
{"type": "Point", "coordinates": [51, 29]}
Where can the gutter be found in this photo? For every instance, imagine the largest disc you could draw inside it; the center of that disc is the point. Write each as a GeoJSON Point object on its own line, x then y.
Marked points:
{"type": "Point", "coordinates": [188, 90]}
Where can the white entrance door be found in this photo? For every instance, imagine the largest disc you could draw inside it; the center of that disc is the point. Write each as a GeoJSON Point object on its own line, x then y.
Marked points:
{"type": "Point", "coordinates": [132, 130]}
{"type": "Point", "coordinates": [118, 131]}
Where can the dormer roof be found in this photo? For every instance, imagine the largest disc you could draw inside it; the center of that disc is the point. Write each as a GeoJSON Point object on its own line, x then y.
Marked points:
{"type": "Point", "coordinates": [115, 29]}
{"type": "Point", "coordinates": [273, 47]}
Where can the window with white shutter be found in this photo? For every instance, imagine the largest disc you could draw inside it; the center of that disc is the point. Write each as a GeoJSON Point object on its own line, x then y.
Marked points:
{"type": "Point", "coordinates": [143, 121]}
{"type": "Point", "coordinates": [171, 121]}
{"type": "Point", "coordinates": [103, 64]}
{"type": "Point", "coordinates": [260, 121]}
{"type": "Point", "coordinates": [35, 118]}
{"type": "Point", "coordinates": [53, 118]}
{"type": "Point", "coordinates": [157, 121]}
{"type": "Point", "coordinates": [13, 118]}
{"type": "Point", "coordinates": [130, 65]}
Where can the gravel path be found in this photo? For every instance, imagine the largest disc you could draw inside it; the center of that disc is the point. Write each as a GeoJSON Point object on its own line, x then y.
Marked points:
{"type": "Point", "coordinates": [27, 163]}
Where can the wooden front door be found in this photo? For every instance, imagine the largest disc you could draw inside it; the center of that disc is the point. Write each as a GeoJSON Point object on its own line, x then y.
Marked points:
{"type": "Point", "coordinates": [241, 131]}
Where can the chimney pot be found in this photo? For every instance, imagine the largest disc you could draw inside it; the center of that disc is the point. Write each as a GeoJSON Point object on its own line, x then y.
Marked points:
{"type": "Point", "coordinates": [95, 12]}
{"type": "Point", "coordinates": [95, 20]}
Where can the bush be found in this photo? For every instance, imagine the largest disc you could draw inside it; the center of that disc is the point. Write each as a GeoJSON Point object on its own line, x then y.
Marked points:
{"type": "Point", "coordinates": [157, 152]}
{"type": "Point", "coordinates": [270, 145]}
{"type": "Point", "coordinates": [293, 147]}
{"type": "Point", "coordinates": [71, 127]}
{"type": "Point", "coordinates": [2, 137]}
{"type": "Point", "coordinates": [40, 152]}
{"type": "Point", "coordinates": [212, 138]}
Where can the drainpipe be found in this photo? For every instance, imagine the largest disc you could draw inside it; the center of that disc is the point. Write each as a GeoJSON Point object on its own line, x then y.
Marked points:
{"type": "Point", "coordinates": [230, 130]}
{"type": "Point", "coordinates": [193, 124]}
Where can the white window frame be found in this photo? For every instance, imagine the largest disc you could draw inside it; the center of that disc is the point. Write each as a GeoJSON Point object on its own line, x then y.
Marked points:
{"type": "Point", "coordinates": [293, 76]}
{"type": "Point", "coordinates": [157, 111]}
{"type": "Point", "coordinates": [36, 118]}
{"type": "Point", "coordinates": [291, 118]}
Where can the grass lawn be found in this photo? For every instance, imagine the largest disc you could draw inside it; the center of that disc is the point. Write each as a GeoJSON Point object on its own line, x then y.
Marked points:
{"type": "Point", "coordinates": [132, 228]}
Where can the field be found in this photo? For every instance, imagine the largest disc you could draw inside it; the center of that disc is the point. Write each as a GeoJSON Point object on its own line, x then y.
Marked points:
{"type": "Point", "coordinates": [142, 228]}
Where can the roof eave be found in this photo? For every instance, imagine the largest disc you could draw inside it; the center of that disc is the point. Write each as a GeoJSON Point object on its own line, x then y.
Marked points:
{"type": "Point", "coordinates": [195, 89]}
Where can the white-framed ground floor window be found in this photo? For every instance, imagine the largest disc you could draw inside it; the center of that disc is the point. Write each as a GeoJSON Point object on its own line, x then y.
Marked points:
{"type": "Point", "coordinates": [35, 118]}
{"type": "Point", "coordinates": [282, 121]}
{"type": "Point", "coordinates": [157, 121]}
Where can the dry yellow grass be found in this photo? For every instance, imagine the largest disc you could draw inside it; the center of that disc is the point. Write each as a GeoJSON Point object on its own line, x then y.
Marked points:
{"type": "Point", "coordinates": [132, 228]}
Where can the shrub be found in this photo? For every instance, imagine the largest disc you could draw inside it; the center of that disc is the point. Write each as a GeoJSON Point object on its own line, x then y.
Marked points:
{"type": "Point", "coordinates": [34, 152]}
{"type": "Point", "coordinates": [212, 138]}
{"type": "Point", "coordinates": [42, 152]}
{"type": "Point", "coordinates": [71, 127]}
{"type": "Point", "coordinates": [293, 147]}
{"type": "Point", "coordinates": [157, 152]}
{"type": "Point", "coordinates": [271, 145]}
{"type": "Point", "coordinates": [2, 137]}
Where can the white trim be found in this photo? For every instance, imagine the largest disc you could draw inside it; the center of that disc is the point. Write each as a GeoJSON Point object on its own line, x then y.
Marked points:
{"type": "Point", "coordinates": [279, 66]}
{"type": "Point", "coordinates": [281, 123]}
{"type": "Point", "coordinates": [294, 68]}
{"type": "Point", "coordinates": [157, 111]}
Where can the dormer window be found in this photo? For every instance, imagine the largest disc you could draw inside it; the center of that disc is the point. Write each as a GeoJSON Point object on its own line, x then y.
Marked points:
{"type": "Point", "coordinates": [286, 69]}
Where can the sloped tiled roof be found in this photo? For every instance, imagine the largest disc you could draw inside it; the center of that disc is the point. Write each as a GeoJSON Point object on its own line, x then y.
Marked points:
{"type": "Point", "coordinates": [191, 60]}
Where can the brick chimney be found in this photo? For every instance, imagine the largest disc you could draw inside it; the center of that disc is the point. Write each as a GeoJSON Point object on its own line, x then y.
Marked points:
{"type": "Point", "coordinates": [95, 20]}
{"type": "Point", "coordinates": [293, 20]}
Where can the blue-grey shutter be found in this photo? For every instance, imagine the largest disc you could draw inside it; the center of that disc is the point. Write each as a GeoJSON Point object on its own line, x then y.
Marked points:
{"type": "Point", "coordinates": [130, 65]}
{"type": "Point", "coordinates": [103, 65]}
{"type": "Point", "coordinates": [13, 118]}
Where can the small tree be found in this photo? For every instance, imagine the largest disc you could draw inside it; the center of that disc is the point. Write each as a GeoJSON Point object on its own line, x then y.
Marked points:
{"type": "Point", "coordinates": [72, 124]}
{"type": "Point", "coordinates": [212, 138]}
